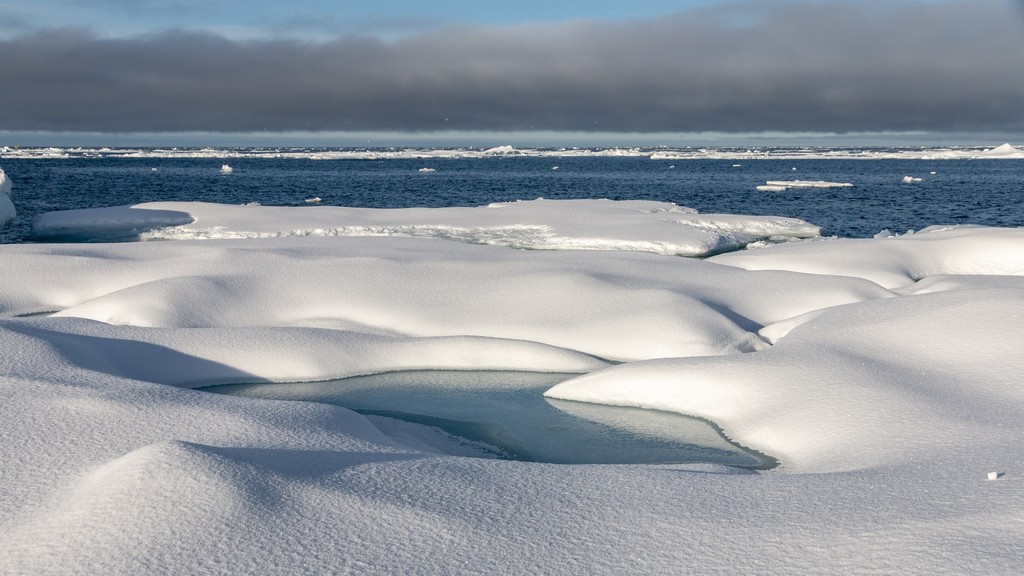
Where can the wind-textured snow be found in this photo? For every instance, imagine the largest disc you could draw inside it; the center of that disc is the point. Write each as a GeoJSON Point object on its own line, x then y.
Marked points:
{"type": "Point", "coordinates": [883, 374]}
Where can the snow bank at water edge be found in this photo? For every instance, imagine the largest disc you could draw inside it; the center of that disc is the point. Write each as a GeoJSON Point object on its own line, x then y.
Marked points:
{"type": "Point", "coordinates": [7, 211]}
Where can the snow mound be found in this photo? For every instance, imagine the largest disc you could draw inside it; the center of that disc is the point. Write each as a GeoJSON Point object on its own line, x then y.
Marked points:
{"type": "Point", "coordinates": [889, 352]}
{"type": "Point", "coordinates": [896, 261]}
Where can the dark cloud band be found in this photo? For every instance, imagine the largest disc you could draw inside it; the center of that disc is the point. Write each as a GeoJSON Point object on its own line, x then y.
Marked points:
{"type": "Point", "coordinates": [788, 66]}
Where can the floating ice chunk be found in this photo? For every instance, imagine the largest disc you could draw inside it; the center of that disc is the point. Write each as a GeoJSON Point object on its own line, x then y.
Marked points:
{"type": "Point", "coordinates": [809, 184]}
{"type": "Point", "coordinates": [225, 169]}
{"type": "Point", "coordinates": [313, 200]}
{"type": "Point", "coordinates": [7, 211]}
{"type": "Point", "coordinates": [911, 179]}
{"type": "Point", "coordinates": [425, 170]}
{"type": "Point", "coordinates": [554, 167]}
{"type": "Point", "coordinates": [780, 185]}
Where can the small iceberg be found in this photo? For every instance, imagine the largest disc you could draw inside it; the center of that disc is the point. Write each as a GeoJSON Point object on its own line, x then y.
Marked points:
{"type": "Point", "coordinates": [313, 200]}
{"type": "Point", "coordinates": [225, 169]}
{"type": "Point", "coordinates": [1004, 151]}
{"type": "Point", "coordinates": [910, 179]}
{"type": "Point", "coordinates": [425, 170]}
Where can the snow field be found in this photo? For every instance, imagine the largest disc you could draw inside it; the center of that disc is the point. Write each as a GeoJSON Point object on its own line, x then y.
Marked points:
{"type": "Point", "coordinates": [883, 374]}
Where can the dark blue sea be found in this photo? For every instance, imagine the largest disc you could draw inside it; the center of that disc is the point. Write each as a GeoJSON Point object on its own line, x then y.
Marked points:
{"type": "Point", "coordinates": [978, 191]}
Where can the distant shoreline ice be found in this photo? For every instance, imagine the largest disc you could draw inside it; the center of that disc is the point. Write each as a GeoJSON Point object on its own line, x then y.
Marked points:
{"type": "Point", "coordinates": [1004, 151]}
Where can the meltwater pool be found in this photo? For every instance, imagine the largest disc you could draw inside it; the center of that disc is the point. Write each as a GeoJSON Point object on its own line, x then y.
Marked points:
{"type": "Point", "coordinates": [508, 413]}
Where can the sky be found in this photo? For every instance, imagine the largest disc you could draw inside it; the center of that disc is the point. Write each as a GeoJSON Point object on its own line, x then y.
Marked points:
{"type": "Point", "coordinates": [643, 71]}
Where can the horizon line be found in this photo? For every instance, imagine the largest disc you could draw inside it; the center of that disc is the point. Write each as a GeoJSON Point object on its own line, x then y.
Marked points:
{"type": "Point", "coordinates": [481, 138]}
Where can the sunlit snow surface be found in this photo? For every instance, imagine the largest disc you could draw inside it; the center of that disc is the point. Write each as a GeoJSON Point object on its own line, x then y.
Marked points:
{"type": "Point", "coordinates": [884, 374]}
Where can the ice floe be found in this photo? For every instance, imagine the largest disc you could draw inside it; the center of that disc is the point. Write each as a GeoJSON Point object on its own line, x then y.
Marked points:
{"type": "Point", "coordinates": [538, 224]}
{"type": "Point", "coordinates": [782, 185]}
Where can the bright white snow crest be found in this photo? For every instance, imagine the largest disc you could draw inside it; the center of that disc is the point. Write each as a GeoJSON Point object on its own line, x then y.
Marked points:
{"type": "Point", "coordinates": [7, 212]}
{"type": "Point", "coordinates": [884, 374]}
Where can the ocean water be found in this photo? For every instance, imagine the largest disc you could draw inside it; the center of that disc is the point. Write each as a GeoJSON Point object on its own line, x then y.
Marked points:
{"type": "Point", "coordinates": [961, 191]}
